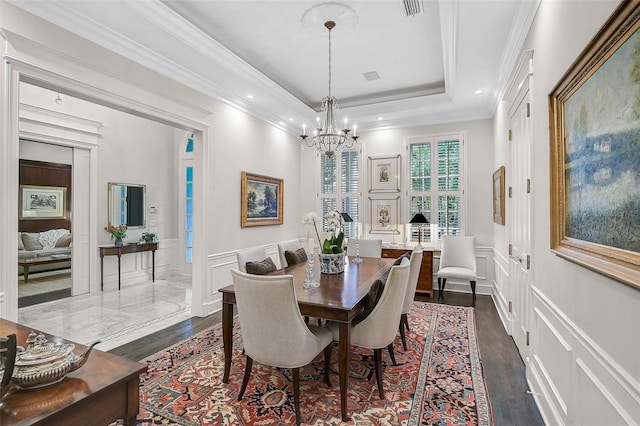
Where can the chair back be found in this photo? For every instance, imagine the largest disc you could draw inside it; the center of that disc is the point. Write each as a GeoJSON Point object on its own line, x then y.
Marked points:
{"type": "Point", "coordinates": [458, 251]}
{"type": "Point", "coordinates": [379, 329]}
{"type": "Point", "coordinates": [273, 330]}
{"type": "Point", "coordinates": [7, 361]}
{"type": "Point", "coordinates": [367, 248]}
{"type": "Point", "coordinates": [414, 272]}
{"type": "Point", "coordinates": [292, 245]}
{"type": "Point", "coordinates": [256, 254]}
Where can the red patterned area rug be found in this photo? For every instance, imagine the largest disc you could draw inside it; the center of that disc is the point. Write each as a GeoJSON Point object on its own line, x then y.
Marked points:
{"type": "Point", "coordinates": [438, 381]}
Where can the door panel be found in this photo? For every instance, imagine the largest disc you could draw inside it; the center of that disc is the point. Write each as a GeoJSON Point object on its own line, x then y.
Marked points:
{"type": "Point", "coordinates": [520, 237]}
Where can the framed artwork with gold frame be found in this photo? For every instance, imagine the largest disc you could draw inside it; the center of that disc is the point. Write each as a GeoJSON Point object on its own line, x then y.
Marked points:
{"type": "Point", "coordinates": [498, 196]}
{"type": "Point", "coordinates": [262, 200]}
{"type": "Point", "coordinates": [594, 116]}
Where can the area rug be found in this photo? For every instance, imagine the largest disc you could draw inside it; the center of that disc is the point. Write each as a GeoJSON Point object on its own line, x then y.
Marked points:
{"type": "Point", "coordinates": [44, 282]}
{"type": "Point", "coordinates": [442, 385]}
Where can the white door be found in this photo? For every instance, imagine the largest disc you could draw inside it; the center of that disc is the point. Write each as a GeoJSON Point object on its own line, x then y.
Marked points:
{"type": "Point", "coordinates": [520, 229]}
{"type": "Point", "coordinates": [81, 222]}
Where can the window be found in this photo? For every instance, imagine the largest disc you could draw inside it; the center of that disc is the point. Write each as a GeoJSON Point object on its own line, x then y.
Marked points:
{"type": "Point", "coordinates": [435, 170]}
{"type": "Point", "coordinates": [340, 187]}
{"type": "Point", "coordinates": [188, 214]}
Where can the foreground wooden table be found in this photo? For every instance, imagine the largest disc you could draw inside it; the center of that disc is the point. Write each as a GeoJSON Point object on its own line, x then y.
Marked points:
{"type": "Point", "coordinates": [339, 298]}
{"type": "Point", "coordinates": [103, 390]}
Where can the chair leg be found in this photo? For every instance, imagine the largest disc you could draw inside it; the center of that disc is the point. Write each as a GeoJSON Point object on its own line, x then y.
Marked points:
{"type": "Point", "coordinates": [403, 318]}
{"type": "Point", "coordinates": [442, 281]}
{"type": "Point", "coordinates": [296, 392]}
{"type": "Point", "coordinates": [473, 290]}
{"type": "Point", "coordinates": [392, 355]}
{"type": "Point", "coordinates": [245, 380]}
{"type": "Point", "coordinates": [327, 363]}
{"type": "Point", "coordinates": [377, 360]}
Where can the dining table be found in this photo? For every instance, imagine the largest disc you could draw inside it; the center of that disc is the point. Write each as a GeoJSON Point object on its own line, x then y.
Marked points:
{"type": "Point", "coordinates": [339, 298]}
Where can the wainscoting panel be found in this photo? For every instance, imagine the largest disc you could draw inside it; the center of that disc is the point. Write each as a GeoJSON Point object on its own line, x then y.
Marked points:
{"type": "Point", "coordinates": [501, 290]}
{"type": "Point", "coordinates": [484, 284]}
{"type": "Point", "coordinates": [584, 374]}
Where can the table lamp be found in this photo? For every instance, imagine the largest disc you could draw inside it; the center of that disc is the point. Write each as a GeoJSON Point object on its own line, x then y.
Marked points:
{"type": "Point", "coordinates": [419, 219]}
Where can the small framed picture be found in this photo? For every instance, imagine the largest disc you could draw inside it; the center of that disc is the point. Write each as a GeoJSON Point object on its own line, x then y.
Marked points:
{"type": "Point", "coordinates": [498, 196]}
{"type": "Point", "coordinates": [384, 174]}
{"type": "Point", "coordinates": [42, 202]}
{"type": "Point", "coordinates": [262, 200]}
{"type": "Point", "coordinates": [385, 215]}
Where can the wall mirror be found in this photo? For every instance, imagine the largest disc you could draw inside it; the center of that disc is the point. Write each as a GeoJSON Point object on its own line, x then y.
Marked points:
{"type": "Point", "coordinates": [126, 204]}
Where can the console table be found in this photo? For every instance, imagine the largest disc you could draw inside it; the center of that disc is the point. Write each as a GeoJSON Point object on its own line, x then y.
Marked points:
{"type": "Point", "coordinates": [425, 278]}
{"type": "Point", "coordinates": [112, 250]}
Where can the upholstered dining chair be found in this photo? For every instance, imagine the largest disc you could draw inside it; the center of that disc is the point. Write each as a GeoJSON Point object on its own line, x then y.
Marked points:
{"type": "Point", "coordinates": [414, 272]}
{"type": "Point", "coordinates": [367, 248]}
{"type": "Point", "coordinates": [7, 361]}
{"type": "Point", "coordinates": [379, 329]}
{"type": "Point", "coordinates": [256, 254]}
{"type": "Point", "coordinates": [291, 246]}
{"type": "Point", "coordinates": [457, 261]}
{"type": "Point", "coordinates": [273, 331]}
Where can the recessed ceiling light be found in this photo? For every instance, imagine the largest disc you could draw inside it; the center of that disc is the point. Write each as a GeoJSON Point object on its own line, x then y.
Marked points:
{"type": "Point", "coordinates": [479, 92]}
{"type": "Point", "coordinates": [380, 118]}
{"type": "Point", "coordinates": [249, 96]}
{"type": "Point", "coordinates": [290, 118]}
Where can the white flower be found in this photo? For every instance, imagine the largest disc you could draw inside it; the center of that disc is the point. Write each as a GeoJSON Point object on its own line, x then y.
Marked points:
{"type": "Point", "coordinates": [333, 219]}
{"type": "Point", "coordinates": [309, 218]}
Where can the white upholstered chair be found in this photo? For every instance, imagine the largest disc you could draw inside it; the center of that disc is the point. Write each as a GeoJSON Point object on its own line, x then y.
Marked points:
{"type": "Point", "coordinates": [273, 331]}
{"type": "Point", "coordinates": [457, 261]}
{"type": "Point", "coordinates": [368, 248]}
{"type": "Point", "coordinates": [292, 245]}
{"type": "Point", "coordinates": [256, 254]}
{"type": "Point", "coordinates": [414, 273]}
{"type": "Point", "coordinates": [379, 329]}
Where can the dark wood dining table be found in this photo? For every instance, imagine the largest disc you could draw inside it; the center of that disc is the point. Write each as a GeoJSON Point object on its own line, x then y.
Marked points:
{"type": "Point", "coordinates": [339, 298]}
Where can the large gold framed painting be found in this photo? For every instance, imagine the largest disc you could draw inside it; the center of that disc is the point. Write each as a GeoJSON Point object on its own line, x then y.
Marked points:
{"type": "Point", "coordinates": [595, 153]}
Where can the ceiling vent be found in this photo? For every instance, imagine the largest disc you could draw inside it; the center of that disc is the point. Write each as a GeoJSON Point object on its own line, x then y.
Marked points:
{"type": "Point", "coordinates": [371, 75]}
{"type": "Point", "coordinates": [412, 7]}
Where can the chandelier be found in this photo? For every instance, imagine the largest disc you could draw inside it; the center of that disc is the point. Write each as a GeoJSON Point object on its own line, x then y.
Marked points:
{"type": "Point", "coordinates": [328, 139]}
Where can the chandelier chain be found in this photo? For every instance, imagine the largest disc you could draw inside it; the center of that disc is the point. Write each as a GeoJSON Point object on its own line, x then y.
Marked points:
{"type": "Point", "coordinates": [329, 63]}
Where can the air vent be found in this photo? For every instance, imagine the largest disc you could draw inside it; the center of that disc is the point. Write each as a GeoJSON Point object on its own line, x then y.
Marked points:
{"type": "Point", "coordinates": [412, 7]}
{"type": "Point", "coordinates": [371, 75]}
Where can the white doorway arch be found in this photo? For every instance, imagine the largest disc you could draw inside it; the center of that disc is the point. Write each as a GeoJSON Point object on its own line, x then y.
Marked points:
{"type": "Point", "coordinates": [75, 78]}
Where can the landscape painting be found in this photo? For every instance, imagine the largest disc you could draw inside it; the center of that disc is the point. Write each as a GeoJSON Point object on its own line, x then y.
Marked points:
{"type": "Point", "coordinates": [602, 153]}
{"type": "Point", "coordinates": [261, 200]}
{"type": "Point", "coordinates": [42, 202]}
{"type": "Point", "coordinates": [595, 153]}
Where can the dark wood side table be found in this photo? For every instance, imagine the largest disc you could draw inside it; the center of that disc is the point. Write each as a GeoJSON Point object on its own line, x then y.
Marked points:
{"type": "Point", "coordinates": [103, 390]}
{"type": "Point", "coordinates": [112, 250]}
{"type": "Point", "coordinates": [425, 279]}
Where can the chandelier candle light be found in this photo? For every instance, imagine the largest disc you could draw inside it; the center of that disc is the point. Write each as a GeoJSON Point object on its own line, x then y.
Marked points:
{"type": "Point", "coordinates": [328, 139]}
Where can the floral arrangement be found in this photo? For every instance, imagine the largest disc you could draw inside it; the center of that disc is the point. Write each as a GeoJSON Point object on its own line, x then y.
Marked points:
{"type": "Point", "coordinates": [333, 244]}
{"type": "Point", "coordinates": [117, 232]}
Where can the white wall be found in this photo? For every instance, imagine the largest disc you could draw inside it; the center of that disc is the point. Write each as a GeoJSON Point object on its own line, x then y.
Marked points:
{"type": "Point", "coordinates": [45, 152]}
{"type": "Point", "coordinates": [585, 328]}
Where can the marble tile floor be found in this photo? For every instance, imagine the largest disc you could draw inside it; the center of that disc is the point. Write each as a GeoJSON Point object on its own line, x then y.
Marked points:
{"type": "Point", "coordinates": [113, 317]}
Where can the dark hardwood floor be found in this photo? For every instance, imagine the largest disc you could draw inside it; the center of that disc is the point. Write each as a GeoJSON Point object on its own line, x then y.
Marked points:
{"type": "Point", "coordinates": [503, 368]}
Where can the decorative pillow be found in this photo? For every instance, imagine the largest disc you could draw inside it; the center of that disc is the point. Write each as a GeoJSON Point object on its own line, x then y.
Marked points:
{"type": "Point", "coordinates": [31, 241]}
{"type": "Point", "coordinates": [20, 243]}
{"type": "Point", "coordinates": [64, 241]}
{"type": "Point", "coordinates": [370, 300]}
{"type": "Point", "coordinates": [294, 257]}
{"type": "Point", "coordinates": [261, 268]}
